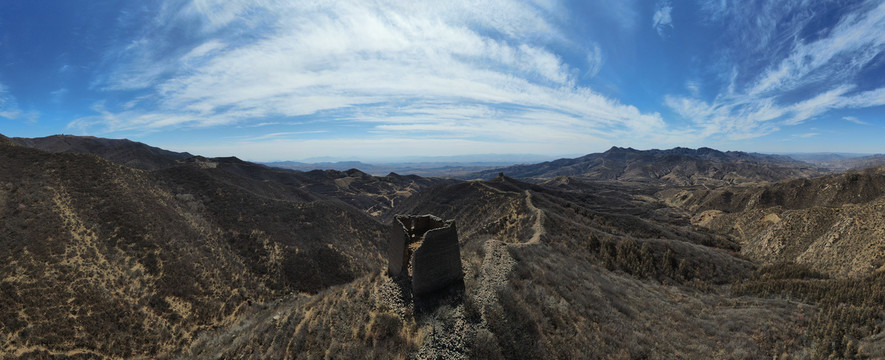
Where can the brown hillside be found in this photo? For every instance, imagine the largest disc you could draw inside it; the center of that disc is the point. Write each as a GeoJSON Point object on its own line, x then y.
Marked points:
{"type": "Point", "coordinates": [110, 261]}
{"type": "Point", "coordinates": [120, 151]}
{"type": "Point", "coordinates": [222, 258]}
{"type": "Point", "coordinates": [832, 223]}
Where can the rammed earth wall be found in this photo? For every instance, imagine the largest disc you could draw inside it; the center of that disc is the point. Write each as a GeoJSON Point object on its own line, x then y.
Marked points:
{"type": "Point", "coordinates": [430, 245]}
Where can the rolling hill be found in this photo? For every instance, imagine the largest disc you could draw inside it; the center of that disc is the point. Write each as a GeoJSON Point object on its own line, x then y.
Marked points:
{"type": "Point", "coordinates": [223, 258]}
{"type": "Point", "coordinates": [120, 151]}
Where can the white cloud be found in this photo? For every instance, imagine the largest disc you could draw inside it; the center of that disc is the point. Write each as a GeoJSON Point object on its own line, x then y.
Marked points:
{"type": "Point", "coordinates": [693, 88]}
{"type": "Point", "coordinates": [282, 135]}
{"type": "Point", "coordinates": [622, 12]}
{"type": "Point", "coordinates": [594, 61]}
{"type": "Point", "coordinates": [858, 37]}
{"type": "Point", "coordinates": [824, 69]}
{"type": "Point", "coordinates": [806, 135]}
{"type": "Point", "coordinates": [662, 22]}
{"type": "Point", "coordinates": [202, 50]}
{"type": "Point", "coordinates": [455, 69]}
{"type": "Point", "coordinates": [58, 95]}
{"type": "Point", "coordinates": [8, 106]}
{"type": "Point", "coordinates": [855, 120]}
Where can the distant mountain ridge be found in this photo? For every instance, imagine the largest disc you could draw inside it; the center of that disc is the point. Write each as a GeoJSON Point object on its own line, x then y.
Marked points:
{"type": "Point", "coordinates": [677, 166]}
{"type": "Point", "coordinates": [121, 151]}
{"type": "Point", "coordinates": [843, 162]}
{"type": "Point", "coordinates": [433, 169]}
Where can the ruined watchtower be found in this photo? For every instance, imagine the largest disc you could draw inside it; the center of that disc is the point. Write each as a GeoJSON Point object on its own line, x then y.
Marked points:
{"type": "Point", "coordinates": [425, 247]}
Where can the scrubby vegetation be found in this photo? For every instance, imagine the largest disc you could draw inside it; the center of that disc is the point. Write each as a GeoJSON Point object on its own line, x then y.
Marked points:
{"type": "Point", "coordinates": [849, 309]}
{"type": "Point", "coordinates": [220, 258]}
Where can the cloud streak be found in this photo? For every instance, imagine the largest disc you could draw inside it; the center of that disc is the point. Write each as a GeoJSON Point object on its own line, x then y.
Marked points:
{"type": "Point", "coordinates": [855, 120]}
{"type": "Point", "coordinates": [8, 106]}
{"type": "Point", "coordinates": [425, 69]}
{"type": "Point", "coordinates": [815, 77]}
{"type": "Point", "coordinates": [662, 22]}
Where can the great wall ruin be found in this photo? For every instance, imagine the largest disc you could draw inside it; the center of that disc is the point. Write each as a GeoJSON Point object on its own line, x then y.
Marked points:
{"type": "Point", "coordinates": [425, 249]}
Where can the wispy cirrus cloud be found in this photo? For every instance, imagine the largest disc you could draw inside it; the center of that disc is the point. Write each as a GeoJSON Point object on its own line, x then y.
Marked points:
{"type": "Point", "coordinates": [399, 69]}
{"type": "Point", "coordinates": [854, 119]}
{"type": "Point", "coordinates": [594, 61]}
{"type": "Point", "coordinates": [806, 135]}
{"type": "Point", "coordinates": [662, 21]}
{"type": "Point", "coordinates": [280, 135]}
{"type": "Point", "coordinates": [818, 74]}
{"type": "Point", "coordinates": [8, 106]}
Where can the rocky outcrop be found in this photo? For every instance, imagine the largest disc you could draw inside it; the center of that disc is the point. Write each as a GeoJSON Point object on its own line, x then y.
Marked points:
{"type": "Point", "coordinates": [425, 248]}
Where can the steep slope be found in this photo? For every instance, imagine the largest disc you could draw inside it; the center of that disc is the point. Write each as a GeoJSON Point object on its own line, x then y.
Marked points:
{"type": "Point", "coordinates": [222, 258]}
{"type": "Point", "coordinates": [832, 223]}
{"type": "Point", "coordinates": [120, 151]}
{"type": "Point", "coordinates": [545, 278]}
{"type": "Point", "coordinates": [678, 166]}
{"type": "Point", "coordinates": [99, 260]}
{"type": "Point", "coordinates": [375, 195]}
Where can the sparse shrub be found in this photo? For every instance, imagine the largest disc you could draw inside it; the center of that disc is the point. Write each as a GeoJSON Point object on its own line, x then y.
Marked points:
{"type": "Point", "coordinates": [849, 309]}
{"type": "Point", "coordinates": [383, 326]}
{"type": "Point", "coordinates": [484, 345]}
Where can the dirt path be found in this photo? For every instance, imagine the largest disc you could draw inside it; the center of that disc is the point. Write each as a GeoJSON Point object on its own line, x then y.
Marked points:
{"type": "Point", "coordinates": [538, 226]}
{"type": "Point", "coordinates": [487, 186]}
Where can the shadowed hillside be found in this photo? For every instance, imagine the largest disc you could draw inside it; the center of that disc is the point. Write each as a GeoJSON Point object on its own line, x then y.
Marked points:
{"type": "Point", "coordinates": [120, 151]}
{"type": "Point", "coordinates": [222, 258]}
{"type": "Point", "coordinates": [112, 261]}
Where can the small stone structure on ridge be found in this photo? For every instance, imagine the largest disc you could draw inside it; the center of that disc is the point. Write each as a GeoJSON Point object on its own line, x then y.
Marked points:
{"type": "Point", "coordinates": [425, 247]}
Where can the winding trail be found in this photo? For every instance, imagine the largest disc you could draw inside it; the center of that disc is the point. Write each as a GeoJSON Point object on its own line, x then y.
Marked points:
{"type": "Point", "coordinates": [487, 186]}
{"type": "Point", "coordinates": [497, 263]}
{"type": "Point", "coordinates": [538, 226]}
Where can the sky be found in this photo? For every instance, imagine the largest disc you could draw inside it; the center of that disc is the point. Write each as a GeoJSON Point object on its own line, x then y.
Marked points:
{"type": "Point", "coordinates": [378, 80]}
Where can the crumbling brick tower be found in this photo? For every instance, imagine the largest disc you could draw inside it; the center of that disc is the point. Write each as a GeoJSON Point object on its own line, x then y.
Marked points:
{"type": "Point", "coordinates": [430, 245]}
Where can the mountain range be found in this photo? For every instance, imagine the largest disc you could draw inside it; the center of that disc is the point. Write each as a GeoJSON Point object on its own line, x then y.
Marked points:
{"type": "Point", "coordinates": [112, 248]}
{"type": "Point", "coordinates": [677, 166]}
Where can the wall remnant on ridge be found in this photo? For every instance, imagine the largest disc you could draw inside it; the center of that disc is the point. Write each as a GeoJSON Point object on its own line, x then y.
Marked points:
{"type": "Point", "coordinates": [425, 248]}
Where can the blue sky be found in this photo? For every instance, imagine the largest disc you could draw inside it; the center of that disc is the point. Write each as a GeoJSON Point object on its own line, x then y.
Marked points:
{"type": "Point", "coordinates": [373, 79]}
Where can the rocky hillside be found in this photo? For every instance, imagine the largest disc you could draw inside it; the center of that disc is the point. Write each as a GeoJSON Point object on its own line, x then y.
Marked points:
{"type": "Point", "coordinates": [832, 223]}
{"type": "Point", "coordinates": [109, 261]}
{"type": "Point", "coordinates": [545, 278]}
{"type": "Point", "coordinates": [678, 166]}
{"type": "Point", "coordinates": [221, 258]}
